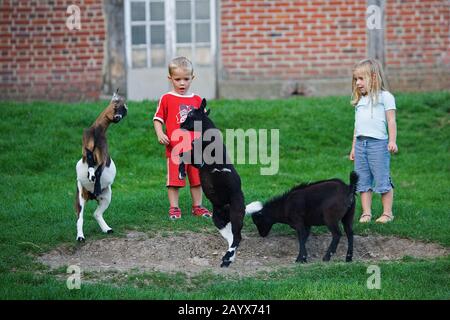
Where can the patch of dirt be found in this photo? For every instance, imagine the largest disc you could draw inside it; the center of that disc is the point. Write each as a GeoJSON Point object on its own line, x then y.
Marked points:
{"type": "Point", "coordinates": [193, 253]}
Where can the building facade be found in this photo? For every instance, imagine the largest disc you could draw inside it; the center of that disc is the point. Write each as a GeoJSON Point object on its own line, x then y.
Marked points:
{"type": "Point", "coordinates": [80, 50]}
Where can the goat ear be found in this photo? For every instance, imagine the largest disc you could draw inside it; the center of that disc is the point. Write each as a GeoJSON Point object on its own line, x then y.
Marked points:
{"type": "Point", "coordinates": [115, 96]}
{"type": "Point", "coordinates": [203, 105]}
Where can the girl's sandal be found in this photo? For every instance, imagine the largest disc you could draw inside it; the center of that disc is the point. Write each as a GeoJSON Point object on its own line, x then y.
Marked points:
{"type": "Point", "coordinates": [385, 218]}
{"type": "Point", "coordinates": [365, 218]}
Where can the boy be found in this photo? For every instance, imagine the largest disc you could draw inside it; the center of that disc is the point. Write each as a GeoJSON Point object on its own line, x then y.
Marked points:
{"type": "Point", "coordinates": [172, 110]}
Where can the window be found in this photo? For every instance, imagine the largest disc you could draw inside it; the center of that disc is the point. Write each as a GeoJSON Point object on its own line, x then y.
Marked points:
{"type": "Point", "coordinates": [193, 30]}
{"type": "Point", "coordinates": [146, 26]}
{"type": "Point", "coordinates": [158, 30]}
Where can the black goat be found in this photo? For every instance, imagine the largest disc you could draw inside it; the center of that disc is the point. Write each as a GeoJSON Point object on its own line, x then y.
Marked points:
{"type": "Point", "coordinates": [314, 204]}
{"type": "Point", "coordinates": [219, 179]}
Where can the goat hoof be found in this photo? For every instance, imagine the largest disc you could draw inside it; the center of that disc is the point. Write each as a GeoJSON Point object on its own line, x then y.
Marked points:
{"type": "Point", "coordinates": [348, 259]}
{"type": "Point", "coordinates": [301, 260]}
{"type": "Point", "coordinates": [326, 258]}
{"type": "Point", "coordinates": [110, 231]}
{"type": "Point", "coordinates": [225, 264]}
{"type": "Point", "coordinates": [81, 239]}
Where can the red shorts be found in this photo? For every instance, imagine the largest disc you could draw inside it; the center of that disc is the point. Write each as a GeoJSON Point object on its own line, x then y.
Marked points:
{"type": "Point", "coordinates": [172, 175]}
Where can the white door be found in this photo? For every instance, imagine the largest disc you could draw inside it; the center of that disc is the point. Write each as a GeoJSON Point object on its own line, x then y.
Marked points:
{"type": "Point", "coordinates": [157, 31]}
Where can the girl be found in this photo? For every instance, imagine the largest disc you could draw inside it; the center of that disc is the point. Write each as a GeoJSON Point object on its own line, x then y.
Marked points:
{"type": "Point", "coordinates": [374, 110]}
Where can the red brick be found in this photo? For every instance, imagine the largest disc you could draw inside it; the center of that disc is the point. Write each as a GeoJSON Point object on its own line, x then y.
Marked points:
{"type": "Point", "coordinates": [38, 45]}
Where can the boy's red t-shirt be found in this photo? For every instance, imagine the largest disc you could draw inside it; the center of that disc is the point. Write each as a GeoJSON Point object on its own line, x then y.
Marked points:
{"type": "Point", "coordinates": [172, 111]}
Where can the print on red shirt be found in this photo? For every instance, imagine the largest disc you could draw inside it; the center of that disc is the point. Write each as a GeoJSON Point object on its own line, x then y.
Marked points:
{"type": "Point", "coordinates": [172, 111]}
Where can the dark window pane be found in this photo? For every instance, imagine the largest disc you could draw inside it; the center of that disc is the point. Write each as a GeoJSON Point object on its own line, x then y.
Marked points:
{"type": "Point", "coordinates": [202, 9]}
{"type": "Point", "coordinates": [138, 35]}
{"type": "Point", "coordinates": [137, 11]}
{"type": "Point", "coordinates": [202, 32]}
{"type": "Point", "coordinates": [184, 33]}
{"type": "Point", "coordinates": [183, 10]}
{"type": "Point", "coordinates": [157, 11]}
{"type": "Point", "coordinates": [157, 35]}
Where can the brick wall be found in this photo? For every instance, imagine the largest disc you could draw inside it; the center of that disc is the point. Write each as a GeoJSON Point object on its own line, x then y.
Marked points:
{"type": "Point", "coordinates": [277, 48]}
{"type": "Point", "coordinates": [287, 43]}
{"type": "Point", "coordinates": [417, 44]}
{"type": "Point", "coordinates": [42, 59]}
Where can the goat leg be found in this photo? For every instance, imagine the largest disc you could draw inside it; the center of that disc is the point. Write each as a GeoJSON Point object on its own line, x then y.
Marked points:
{"type": "Point", "coordinates": [80, 202]}
{"type": "Point", "coordinates": [302, 234]}
{"type": "Point", "coordinates": [181, 168]}
{"type": "Point", "coordinates": [349, 232]}
{"type": "Point", "coordinates": [97, 185]}
{"type": "Point", "coordinates": [336, 233]}
{"type": "Point", "coordinates": [91, 164]}
{"type": "Point", "coordinates": [226, 259]}
{"type": "Point", "coordinates": [347, 221]}
{"type": "Point", "coordinates": [221, 219]}
{"type": "Point", "coordinates": [234, 216]}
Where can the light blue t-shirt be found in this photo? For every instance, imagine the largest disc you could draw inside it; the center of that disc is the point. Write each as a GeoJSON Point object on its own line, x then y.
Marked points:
{"type": "Point", "coordinates": [370, 121]}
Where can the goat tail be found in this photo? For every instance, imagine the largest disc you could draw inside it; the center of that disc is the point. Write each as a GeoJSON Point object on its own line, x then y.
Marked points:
{"type": "Point", "coordinates": [253, 207]}
{"type": "Point", "coordinates": [352, 192]}
{"type": "Point", "coordinates": [353, 181]}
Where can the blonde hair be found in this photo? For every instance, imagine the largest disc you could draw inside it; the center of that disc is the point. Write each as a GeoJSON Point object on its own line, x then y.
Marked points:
{"type": "Point", "coordinates": [182, 63]}
{"type": "Point", "coordinates": [373, 75]}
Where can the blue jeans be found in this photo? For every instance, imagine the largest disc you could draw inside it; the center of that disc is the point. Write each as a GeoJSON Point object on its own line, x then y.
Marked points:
{"type": "Point", "coordinates": [372, 160]}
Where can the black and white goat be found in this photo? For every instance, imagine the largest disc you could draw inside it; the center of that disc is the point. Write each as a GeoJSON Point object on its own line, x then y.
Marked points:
{"type": "Point", "coordinates": [220, 181]}
{"type": "Point", "coordinates": [96, 170]}
{"type": "Point", "coordinates": [314, 204]}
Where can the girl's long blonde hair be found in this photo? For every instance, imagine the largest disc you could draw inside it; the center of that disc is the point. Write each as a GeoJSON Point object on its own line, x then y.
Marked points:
{"type": "Point", "coordinates": [373, 75]}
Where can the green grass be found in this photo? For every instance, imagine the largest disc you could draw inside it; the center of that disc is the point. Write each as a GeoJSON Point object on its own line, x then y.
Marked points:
{"type": "Point", "coordinates": [40, 143]}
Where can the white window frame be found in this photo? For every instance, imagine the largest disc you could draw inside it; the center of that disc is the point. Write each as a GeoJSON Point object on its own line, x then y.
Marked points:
{"type": "Point", "coordinates": [170, 31]}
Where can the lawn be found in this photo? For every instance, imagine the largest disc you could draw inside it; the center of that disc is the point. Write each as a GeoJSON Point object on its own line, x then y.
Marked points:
{"type": "Point", "coordinates": [40, 143]}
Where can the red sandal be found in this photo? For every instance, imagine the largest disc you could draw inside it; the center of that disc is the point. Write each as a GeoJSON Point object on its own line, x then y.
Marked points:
{"type": "Point", "coordinates": [201, 211]}
{"type": "Point", "coordinates": [174, 213]}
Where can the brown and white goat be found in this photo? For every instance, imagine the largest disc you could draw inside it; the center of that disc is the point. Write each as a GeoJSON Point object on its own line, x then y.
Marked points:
{"type": "Point", "coordinates": [96, 170]}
